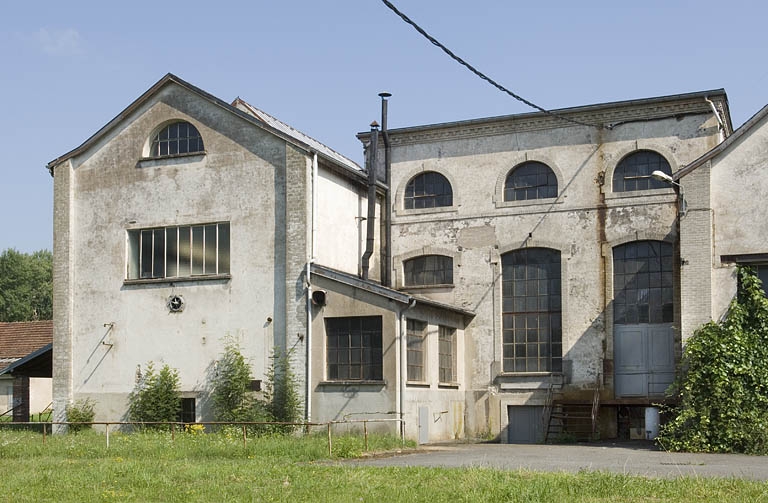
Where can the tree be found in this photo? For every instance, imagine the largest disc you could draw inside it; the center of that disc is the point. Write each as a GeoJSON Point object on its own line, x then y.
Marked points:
{"type": "Point", "coordinates": [156, 396]}
{"type": "Point", "coordinates": [26, 285]}
{"type": "Point", "coordinates": [723, 383]}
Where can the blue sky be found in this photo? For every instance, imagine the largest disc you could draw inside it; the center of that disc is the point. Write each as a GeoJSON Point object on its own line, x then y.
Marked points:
{"type": "Point", "coordinates": [70, 67]}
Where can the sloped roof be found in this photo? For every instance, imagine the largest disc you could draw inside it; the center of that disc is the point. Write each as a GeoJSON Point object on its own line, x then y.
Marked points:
{"type": "Point", "coordinates": [265, 121]}
{"type": "Point", "coordinates": [19, 339]}
{"type": "Point", "coordinates": [724, 145]}
{"type": "Point", "coordinates": [294, 133]}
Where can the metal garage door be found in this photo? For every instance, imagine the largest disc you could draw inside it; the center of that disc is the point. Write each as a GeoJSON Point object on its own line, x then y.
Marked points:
{"type": "Point", "coordinates": [525, 424]}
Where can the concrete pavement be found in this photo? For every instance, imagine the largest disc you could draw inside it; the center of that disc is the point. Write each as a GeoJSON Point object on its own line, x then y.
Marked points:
{"type": "Point", "coordinates": [634, 458]}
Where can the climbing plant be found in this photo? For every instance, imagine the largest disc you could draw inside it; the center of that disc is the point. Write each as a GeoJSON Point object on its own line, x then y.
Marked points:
{"type": "Point", "coordinates": [722, 385]}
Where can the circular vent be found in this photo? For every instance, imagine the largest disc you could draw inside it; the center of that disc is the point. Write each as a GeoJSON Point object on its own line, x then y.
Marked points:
{"type": "Point", "coordinates": [175, 303]}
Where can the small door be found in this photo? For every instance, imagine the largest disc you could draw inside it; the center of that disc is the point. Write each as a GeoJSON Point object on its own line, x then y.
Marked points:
{"type": "Point", "coordinates": [525, 424]}
{"type": "Point", "coordinates": [423, 425]}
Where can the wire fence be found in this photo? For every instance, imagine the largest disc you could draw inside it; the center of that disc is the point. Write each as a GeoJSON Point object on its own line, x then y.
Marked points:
{"type": "Point", "coordinates": [253, 429]}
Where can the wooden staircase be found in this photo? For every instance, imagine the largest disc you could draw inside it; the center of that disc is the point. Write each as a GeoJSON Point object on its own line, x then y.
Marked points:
{"type": "Point", "coordinates": [571, 419]}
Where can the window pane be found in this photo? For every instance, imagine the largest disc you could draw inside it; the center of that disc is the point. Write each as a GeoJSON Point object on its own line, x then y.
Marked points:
{"type": "Point", "coordinates": [223, 248]}
{"type": "Point", "coordinates": [210, 249]}
{"type": "Point", "coordinates": [146, 254]}
{"type": "Point", "coordinates": [197, 250]}
{"type": "Point", "coordinates": [185, 251]}
{"type": "Point", "coordinates": [171, 252]}
{"type": "Point", "coordinates": [158, 260]}
{"type": "Point", "coordinates": [133, 255]}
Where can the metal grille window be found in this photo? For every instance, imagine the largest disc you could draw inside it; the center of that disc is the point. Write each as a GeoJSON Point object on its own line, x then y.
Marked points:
{"type": "Point", "coordinates": [428, 270]}
{"type": "Point", "coordinates": [416, 339]}
{"type": "Point", "coordinates": [634, 172]}
{"type": "Point", "coordinates": [177, 138]}
{"type": "Point", "coordinates": [531, 311]}
{"type": "Point", "coordinates": [530, 180]}
{"type": "Point", "coordinates": [447, 354]}
{"type": "Point", "coordinates": [177, 252]}
{"type": "Point", "coordinates": [354, 350]}
{"type": "Point", "coordinates": [428, 190]}
{"type": "Point", "coordinates": [643, 283]}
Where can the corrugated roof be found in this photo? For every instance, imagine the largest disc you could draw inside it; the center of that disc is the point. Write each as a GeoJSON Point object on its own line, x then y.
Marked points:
{"type": "Point", "coordinates": [281, 126]}
{"type": "Point", "coordinates": [19, 339]}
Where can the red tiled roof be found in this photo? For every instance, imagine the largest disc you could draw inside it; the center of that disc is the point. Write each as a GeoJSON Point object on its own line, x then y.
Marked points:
{"type": "Point", "coordinates": [19, 339]}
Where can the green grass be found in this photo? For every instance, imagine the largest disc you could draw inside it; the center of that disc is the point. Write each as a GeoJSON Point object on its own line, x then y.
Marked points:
{"type": "Point", "coordinates": [151, 467]}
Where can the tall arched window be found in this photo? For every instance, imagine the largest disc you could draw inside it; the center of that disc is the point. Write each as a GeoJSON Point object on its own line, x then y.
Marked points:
{"type": "Point", "coordinates": [643, 283]}
{"type": "Point", "coordinates": [530, 180]}
{"type": "Point", "coordinates": [428, 190]}
{"type": "Point", "coordinates": [176, 138]}
{"type": "Point", "coordinates": [634, 172]}
{"type": "Point", "coordinates": [531, 312]}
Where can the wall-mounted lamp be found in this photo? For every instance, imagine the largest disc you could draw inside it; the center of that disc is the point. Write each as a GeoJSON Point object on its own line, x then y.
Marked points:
{"type": "Point", "coordinates": [663, 177]}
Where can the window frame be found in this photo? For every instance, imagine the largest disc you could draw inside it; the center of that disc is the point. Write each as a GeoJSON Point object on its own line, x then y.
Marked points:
{"type": "Point", "coordinates": [443, 267]}
{"type": "Point", "coordinates": [521, 279]}
{"type": "Point", "coordinates": [416, 350]}
{"type": "Point", "coordinates": [173, 144]}
{"type": "Point", "coordinates": [428, 200]}
{"type": "Point", "coordinates": [620, 180]}
{"type": "Point", "coordinates": [650, 281]}
{"type": "Point", "coordinates": [520, 171]}
{"type": "Point", "coordinates": [196, 238]}
{"type": "Point", "coordinates": [447, 360]}
{"type": "Point", "coordinates": [351, 329]}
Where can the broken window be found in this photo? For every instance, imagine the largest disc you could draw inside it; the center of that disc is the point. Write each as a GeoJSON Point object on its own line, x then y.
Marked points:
{"type": "Point", "coordinates": [416, 341]}
{"type": "Point", "coordinates": [447, 354]}
{"type": "Point", "coordinates": [643, 283]}
{"type": "Point", "coordinates": [428, 270]}
{"type": "Point", "coordinates": [531, 311]}
{"type": "Point", "coordinates": [353, 348]}
{"type": "Point", "coordinates": [428, 190]}
{"type": "Point", "coordinates": [530, 180]}
{"type": "Point", "coordinates": [634, 172]}
{"type": "Point", "coordinates": [177, 252]}
{"type": "Point", "coordinates": [176, 138]}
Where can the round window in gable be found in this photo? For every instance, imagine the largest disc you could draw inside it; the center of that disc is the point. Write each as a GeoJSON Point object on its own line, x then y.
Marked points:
{"type": "Point", "coordinates": [175, 303]}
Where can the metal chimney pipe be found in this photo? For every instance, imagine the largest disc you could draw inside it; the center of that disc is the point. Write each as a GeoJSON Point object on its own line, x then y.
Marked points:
{"type": "Point", "coordinates": [387, 245]}
{"type": "Point", "coordinates": [371, 216]}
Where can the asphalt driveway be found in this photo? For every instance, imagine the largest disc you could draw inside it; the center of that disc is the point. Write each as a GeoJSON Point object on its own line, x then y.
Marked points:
{"type": "Point", "coordinates": [629, 458]}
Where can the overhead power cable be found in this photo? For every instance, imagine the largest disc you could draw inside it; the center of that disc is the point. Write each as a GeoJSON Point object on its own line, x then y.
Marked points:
{"type": "Point", "coordinates": [477, 72]}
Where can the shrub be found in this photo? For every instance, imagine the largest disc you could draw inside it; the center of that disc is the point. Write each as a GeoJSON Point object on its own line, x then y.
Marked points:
{"type": "Point", "coordinates": [231, 396]}
{"type": "Point", "coordinates": [723, 380]}
{"type": "Point", "coordinates": [156, 396]}
{"type": "Point", "coordinates": [81, 411]}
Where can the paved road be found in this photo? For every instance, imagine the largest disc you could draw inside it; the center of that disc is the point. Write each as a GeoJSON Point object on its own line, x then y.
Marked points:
{"type": "Point", "coordinates": [636, 459]}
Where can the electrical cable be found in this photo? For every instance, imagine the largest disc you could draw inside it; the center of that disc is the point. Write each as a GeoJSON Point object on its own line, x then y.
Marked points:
{"type": "Point", "coordinates": [477, 72]}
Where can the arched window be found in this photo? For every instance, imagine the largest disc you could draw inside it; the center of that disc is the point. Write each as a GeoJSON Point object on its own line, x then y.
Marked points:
{"type": "Point", "coordinates": [530, 180]}
{"type": "Point", "coordinates": [428, 190]}
{"type": "Point", "coordinates": [176, 138]}
{"type": "Point", "coordinates": [643, 283]}
{"type": "Point", "coordinates": [531, 311]}
{"type": "Point", "coordinates": [428, 270]}
{"type": "Point", "coordinates": [634, 172]}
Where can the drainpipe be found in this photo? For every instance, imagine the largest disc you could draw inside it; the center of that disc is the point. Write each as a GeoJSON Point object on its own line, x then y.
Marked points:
{"type": "Point", "coordinates": [371, 217]}
{"type": "Point", "coordinates": [387, 279]}
{"type": "Point", "coordinates": [721, 127]}
{"type": "Point", "coordinates": [402, 355]}
{"type": "Point", "coordinates": [312, 245]}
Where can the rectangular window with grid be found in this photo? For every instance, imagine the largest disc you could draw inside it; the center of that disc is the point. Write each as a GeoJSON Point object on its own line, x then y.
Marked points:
{"type": "Point", "coordinates": [179, 251]}
{"type": "Point", "coordinates": [353, 348]}
{"type": "Point", "coordinates": [447, 354]}
{"type": "Point", "coordinates": [416, 341]}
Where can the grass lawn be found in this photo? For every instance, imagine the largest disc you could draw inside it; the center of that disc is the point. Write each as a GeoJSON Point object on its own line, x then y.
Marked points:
{"type": "Point", "coordinates": [151, 467]}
